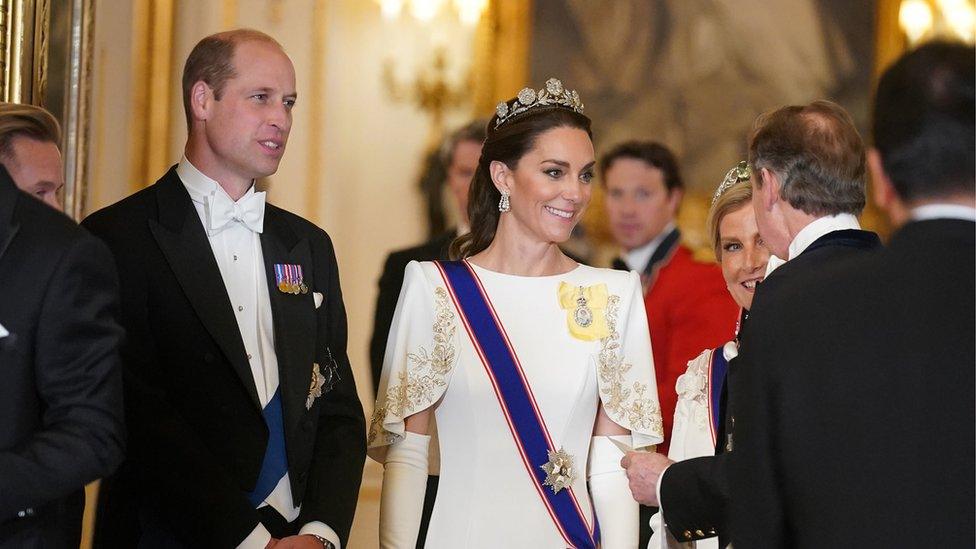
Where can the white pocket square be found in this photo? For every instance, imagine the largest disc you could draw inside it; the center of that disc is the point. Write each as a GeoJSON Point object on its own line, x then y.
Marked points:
{"type": "Point", "coordinates": [317, 296]}
{"type": "Point", "coordinates": [3, 331]}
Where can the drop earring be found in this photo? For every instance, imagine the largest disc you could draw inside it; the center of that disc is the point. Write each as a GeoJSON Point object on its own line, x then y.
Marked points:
{"type": "Point", "coordinates": [503, 204]}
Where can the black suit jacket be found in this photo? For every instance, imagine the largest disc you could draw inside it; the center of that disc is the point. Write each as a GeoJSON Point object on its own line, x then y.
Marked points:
{"type": "Point", "coordinates": [855, 426]}
{"type": "Point", "coordinates": [695, 493]}
{"type": "Point", "coordinates": [197, 436]}
{"type": "Point", "coordinates": [390, 283]}
{"type": "Point", "coordinates": [61, 394]}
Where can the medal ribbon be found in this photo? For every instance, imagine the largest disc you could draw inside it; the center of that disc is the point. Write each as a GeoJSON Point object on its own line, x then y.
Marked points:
{"type": "Point", "coordinates": [718, 368]}
{"type": "Point", "coordinates": [515, 397]}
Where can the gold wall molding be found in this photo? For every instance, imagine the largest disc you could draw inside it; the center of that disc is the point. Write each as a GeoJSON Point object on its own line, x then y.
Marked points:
{"type": "Point", "coordinates": [45, 53]}
{"type": "Point", "coordinates": [152, 64]}
{"type": "Point", "coordinates": [18, 50]}
{"type": "Point", "coordinates": [316, 103]}
{"type": "Point", "coordinates": [889, 41]}
{"type": "Point", "coordinates": [228, 14]}
{"type": "Point", "coordinates": [77, 113]}
{"type": "Point", "coordinates": [501, 54]}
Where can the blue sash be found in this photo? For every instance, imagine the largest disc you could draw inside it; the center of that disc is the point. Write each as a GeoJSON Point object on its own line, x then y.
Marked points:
{"type": "Point", "coordinates": [516, 400]}
{"type": "Point", "coordinates": [717, 370]}
{"type": "Point", "coordinates": [275, 463]}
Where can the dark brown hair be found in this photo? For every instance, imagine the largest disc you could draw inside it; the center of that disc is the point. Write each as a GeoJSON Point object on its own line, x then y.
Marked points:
{"type": "Point", "coordinates": [817, 154]}
{"type": "Point", "coordinates": [651, 153]}
{"type": "Point", "coordinates": [507, 143]}
{"type": "Point", "coordinates": [212, 61]}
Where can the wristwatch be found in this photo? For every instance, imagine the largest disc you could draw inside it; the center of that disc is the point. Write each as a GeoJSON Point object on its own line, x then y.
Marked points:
{"type": "Point", "coordinates": [326, 544]}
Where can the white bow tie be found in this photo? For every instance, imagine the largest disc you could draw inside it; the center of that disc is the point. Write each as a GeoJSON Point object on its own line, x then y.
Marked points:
{"type": "Point", "coordinates": [222, 211]}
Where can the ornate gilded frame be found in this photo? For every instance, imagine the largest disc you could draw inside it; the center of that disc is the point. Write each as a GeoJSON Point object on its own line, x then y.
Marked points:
{"type": "Point", "coordinates": [46, 57]}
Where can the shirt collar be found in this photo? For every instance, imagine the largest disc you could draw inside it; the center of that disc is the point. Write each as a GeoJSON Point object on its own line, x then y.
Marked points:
{"type": "Point", "coordinates": [809, 234]}
{"type": "Point", "coordinates": [944, 211]}
{"type": "Point", "coordinates": [199, 186]}
{"type": "Point", "coordinates": [637, 258]}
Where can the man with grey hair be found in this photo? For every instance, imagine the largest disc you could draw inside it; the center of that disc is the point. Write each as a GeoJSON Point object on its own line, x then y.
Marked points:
{"type": "Point", "coordinates": [809, 163]}
{"type": "Point", "coordinates": [857, 427]}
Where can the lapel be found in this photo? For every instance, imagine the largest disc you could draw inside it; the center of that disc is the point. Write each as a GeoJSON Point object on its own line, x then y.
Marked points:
{"type": "Point", "coordinates": [661, 257]}
{"type": "Point", "coordinates": [9, 195]}
{"type": "Point", "coordinates": [184, 243]}
{"type": "Point", "coordinates": [294, 316]}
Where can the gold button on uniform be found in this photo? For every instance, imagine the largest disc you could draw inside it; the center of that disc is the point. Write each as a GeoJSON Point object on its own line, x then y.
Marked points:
{"type": "Point", "coordinates": [687, 534]}
{"type": "Point", "coordinates": [699, 533]}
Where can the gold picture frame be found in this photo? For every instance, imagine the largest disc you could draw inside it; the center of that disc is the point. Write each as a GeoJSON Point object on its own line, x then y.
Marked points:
{"type": "Point", "coordinates": [46, 57]}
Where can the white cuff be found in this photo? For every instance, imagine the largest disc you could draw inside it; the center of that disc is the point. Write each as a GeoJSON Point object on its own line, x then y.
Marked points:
{"type": "Point", "coordinates": [404, 487]}
{"type": "Point", "coordinates": [323, 530]}
{"type": "Point", "coordinates": [616, 510]}
{"type": "Point", "coordinates": [257, 539]}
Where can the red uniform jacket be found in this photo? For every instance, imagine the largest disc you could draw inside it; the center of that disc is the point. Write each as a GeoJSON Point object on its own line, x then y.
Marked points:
{"type": "Point", "coordinates": [689, 309]}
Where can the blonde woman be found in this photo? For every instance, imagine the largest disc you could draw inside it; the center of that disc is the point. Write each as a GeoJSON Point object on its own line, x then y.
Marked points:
{"type": "Point", "coordinates": [740, 252]}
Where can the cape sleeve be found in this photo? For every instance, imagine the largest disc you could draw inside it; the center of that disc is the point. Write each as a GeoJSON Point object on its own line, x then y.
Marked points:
{"type": "Point", "coordinates": [625, 367]}
{"type": "Point", "coordinates": [421, 351]}
{"type": "Point", "coordinates": [691, 435]}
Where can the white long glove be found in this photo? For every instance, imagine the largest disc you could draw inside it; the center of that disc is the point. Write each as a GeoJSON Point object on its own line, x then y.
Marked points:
{"type": "Point", "coordinates": [618, 513]}
{"type": "Point", "coordinates": [402, 498]}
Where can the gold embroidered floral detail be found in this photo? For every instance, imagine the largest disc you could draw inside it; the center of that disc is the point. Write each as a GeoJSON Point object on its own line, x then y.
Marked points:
{"type": "Point", "coordinates": [627, 404]}
{"type": "Point", "coordinates": [424, 378]}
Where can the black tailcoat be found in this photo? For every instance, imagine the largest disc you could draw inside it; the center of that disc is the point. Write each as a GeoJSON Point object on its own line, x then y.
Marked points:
{"type": "Point", "coordinates": [60, 378]}
{"type": "Point", "coordinates": [695, 493]}
{"type": "Point", "coordinates": [197, 436]}
{"type": "Point", "coordinates": [856, 405]}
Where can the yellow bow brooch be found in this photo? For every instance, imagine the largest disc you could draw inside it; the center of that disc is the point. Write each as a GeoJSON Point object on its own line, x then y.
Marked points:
{"type": "Point", "coordinates": [584, 308]}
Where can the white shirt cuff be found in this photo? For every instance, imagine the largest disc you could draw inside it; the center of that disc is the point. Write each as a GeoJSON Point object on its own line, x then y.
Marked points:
{"type": "Point", "coordinates": [257, 539]}
{"type": "Point", "coordinates": [321, 529]}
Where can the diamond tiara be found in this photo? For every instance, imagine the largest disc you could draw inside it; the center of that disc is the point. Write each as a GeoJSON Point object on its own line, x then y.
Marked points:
{"type": "Point", "coordinates": [739, 173]}
{"type": "Point", "coordinates": [552, 95]}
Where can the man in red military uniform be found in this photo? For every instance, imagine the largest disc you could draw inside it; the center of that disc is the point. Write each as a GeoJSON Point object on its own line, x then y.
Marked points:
{"type": "Point", "coordinates": [688, 306]}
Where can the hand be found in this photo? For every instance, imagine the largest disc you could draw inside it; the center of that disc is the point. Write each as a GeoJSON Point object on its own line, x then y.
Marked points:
{"type": "Point", "coordinates": [271, 543]}
{"type": "Point", "coordinates": [644, 473]}
{"type": "Point", "coordinates": [301, 541]}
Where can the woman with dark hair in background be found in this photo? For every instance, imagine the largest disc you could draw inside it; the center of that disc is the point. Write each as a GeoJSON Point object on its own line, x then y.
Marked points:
{"type": "Point", "coordinates": [537, 369]}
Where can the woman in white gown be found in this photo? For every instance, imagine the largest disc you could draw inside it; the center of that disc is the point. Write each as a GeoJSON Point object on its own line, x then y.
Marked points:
{"type": "Point", "coordinates": [535, 393]}
{"type": "Point", "coordinates": [743, 257]}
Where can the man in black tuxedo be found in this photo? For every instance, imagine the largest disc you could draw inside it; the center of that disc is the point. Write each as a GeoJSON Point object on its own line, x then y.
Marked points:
{"type": "Point", "coordinates": [61, 397]}
{"type": "Point", "coordinates": [809, 168]}
{"type": "Point", "coordinates": [244, 425]}
{"type": "Point", "coordinates": [855, 426]}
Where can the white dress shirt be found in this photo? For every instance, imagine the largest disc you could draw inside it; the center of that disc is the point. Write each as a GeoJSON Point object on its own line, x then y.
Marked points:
{"type": "Point", "coordinates": [637, 258]}
{"type": "Point", "coordinates": [944, 211]}
{"type": "Point", "coordinates": [809, 234]}
{"type": "Point", "coordinates": [237, 249]}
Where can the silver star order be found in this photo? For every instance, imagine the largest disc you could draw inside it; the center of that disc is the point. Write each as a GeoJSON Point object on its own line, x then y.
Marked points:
{"type": "Point", "coordinates": [560, 472]}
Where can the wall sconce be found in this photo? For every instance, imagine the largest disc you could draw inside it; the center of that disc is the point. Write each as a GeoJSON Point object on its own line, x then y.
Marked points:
{"type": "Point", "coordinates": [923, 20]}
{"type": "Point", "coordinates": [468, 12]}
{"type": "Point", "coordinates": [431, 88]}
